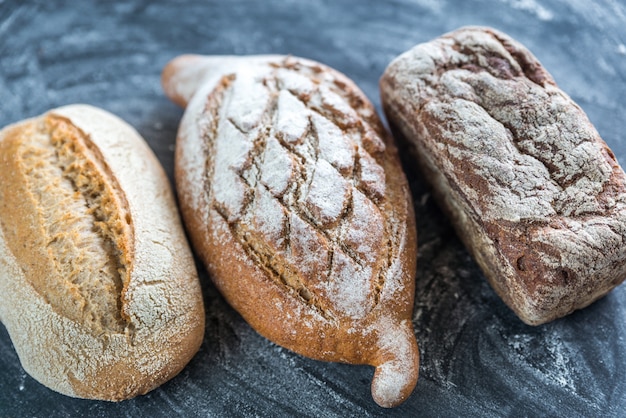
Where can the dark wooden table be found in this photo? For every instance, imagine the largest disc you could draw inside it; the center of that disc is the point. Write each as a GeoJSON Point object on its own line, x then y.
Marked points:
{"type": "Point", "coordinates": [477, 358]}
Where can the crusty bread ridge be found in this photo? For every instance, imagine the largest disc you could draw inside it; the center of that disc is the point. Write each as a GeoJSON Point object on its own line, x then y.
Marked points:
{"type": "Point", "coordinates": [293, 195]}
{"type": "Point", "coordinates": [99, 290]}
{"type": "Point", "coordinates": [533, 191]}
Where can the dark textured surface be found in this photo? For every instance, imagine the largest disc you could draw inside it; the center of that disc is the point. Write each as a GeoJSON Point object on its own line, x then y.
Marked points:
{"type": "Point", "coordinates": [477, 358]}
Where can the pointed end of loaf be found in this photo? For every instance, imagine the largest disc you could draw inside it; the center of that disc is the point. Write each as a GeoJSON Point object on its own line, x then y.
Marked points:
{"type": "Point", "coordinates": [398, 369]}
{"type": "Point", "coordinates": [183, 75]}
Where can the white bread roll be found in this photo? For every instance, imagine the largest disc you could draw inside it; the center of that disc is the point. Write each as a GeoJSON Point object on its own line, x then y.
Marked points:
{"type": "Point", "coordinates": [99, 289]}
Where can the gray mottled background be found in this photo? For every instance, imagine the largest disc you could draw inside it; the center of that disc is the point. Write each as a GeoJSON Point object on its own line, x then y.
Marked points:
{"type": "Point", "coordinates": [477, 358]}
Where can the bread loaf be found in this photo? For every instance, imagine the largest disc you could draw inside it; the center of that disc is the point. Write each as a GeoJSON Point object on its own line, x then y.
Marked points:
{"type": "Point", "coordinates": [99, 290]}
{"type": "Point", "coordinates": [534, 192]}
{"type": "Point", "coordinates": [294, 197]}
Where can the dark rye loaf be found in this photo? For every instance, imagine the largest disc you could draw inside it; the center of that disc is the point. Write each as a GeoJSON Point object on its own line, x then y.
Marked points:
{"type": "Point", "coordinates": [533, 191]}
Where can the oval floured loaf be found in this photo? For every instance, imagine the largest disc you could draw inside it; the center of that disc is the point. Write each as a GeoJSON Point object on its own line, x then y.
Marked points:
{"type": "Point", "coordinates": [294, 196]}
{"type": "Point", "coordinates": [99, 290]}
{"type": "Point", "coordinates": [534, 192]}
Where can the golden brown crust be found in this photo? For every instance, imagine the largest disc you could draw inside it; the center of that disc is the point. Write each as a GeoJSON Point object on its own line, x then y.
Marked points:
{"type": "Point", "coordinates": [531, 188]}
{"type": "Point", "coordinates": [89, 309]}
{"type": "Point", "coordinates": [293, 195]}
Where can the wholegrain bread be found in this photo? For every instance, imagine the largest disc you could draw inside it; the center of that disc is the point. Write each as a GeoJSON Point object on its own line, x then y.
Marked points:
{"type": "Point", "coordinates": [99, 290]}
{"type": "Point", "coordinates": [294, 197]}
{"type": "Point", "coordinates": [534, 192]}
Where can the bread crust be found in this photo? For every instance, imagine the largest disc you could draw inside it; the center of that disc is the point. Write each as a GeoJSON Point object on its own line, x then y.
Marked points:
{"type": "Point", "coordinates": [109, 331]}
{"type": "Point", "coordinates": [276, 235]}
{"type": "Point", "coordinates": [533, 191]}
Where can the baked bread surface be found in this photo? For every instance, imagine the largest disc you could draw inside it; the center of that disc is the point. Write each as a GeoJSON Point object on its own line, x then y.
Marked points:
{"type": "Point", "coordinates": [99, 290]}
{"type": "Point", "coordinates": [534, 192]}
{"type": "Point", "coordinates": [293, 195]}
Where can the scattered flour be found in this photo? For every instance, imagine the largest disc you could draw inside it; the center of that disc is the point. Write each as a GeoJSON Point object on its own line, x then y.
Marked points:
{"type": "Point", "coordinates": [532, 6]}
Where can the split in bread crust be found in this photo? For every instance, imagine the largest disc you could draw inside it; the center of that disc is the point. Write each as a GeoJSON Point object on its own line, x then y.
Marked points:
{"type": "Point", "coordinates": [75, 247]}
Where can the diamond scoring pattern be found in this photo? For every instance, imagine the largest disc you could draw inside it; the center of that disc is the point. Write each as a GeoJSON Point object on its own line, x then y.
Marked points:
{"type": "Point", "coordinates": [299, 188]}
